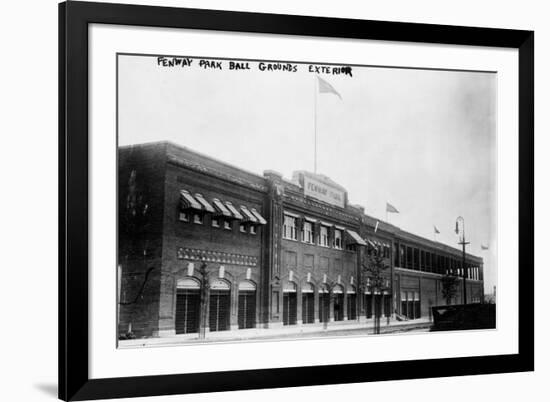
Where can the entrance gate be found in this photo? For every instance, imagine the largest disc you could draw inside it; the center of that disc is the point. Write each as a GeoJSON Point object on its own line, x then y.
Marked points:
{"type": "Point", "coordinates": [220, 307]}
{"type": "Point", "coordinates": [187, 306]}
{"type": "Point", "coordinates": [247, 305]}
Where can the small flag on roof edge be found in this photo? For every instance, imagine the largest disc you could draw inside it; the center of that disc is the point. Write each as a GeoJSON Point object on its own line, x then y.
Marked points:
{"type": "Point", "coordinates": [390, 208]}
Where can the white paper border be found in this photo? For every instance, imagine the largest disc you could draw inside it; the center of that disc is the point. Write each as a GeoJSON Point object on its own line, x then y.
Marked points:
{"type": "Point", "coordinates": [107, 361]}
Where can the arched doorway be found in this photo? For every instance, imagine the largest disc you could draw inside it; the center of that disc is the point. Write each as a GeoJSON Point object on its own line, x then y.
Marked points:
{"type": "Point", "coordinates": [352, 303]}
{"type": "Point", "coordinates": [220, 307]}
{"type": "Point", "coordinates": [187, 306]}
{"type": "Point", "coordinates": [289, 304]}
{"type": "Point", "coordinates": [246, 315]}
{"type": "Point", "coordinates": [338, 307]}
{"type": "Point", "coordinates": [368, 303]}
{"type": "Point", "coordinates": [308, 304]}
{"type": "Point", "coordinates": [324, 304]}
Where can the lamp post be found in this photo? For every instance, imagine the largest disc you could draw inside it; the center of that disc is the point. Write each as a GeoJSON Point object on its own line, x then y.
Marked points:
{"type": "Point", "coordinates": [463, 242]}
{"type": "Point", "coordinates": [203, 299]}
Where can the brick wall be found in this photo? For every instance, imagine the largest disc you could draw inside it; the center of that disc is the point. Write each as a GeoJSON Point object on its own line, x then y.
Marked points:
{"type": "Point", "coordinates": [140, 213]}
{"type": "Point", "coordinates": [232, 245]}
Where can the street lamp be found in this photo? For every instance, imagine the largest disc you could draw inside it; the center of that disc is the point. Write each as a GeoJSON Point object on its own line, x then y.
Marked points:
{"type": "Point", "coordinates": [463, 242]}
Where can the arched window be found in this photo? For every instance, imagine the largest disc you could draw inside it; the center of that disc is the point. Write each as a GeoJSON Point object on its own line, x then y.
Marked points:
{"type": "Point", "coordinates": [188, 283]}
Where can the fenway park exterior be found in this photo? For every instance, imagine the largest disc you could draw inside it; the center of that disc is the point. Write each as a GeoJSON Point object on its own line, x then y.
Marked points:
{"type": "Point", "coordinates": [206, 247]}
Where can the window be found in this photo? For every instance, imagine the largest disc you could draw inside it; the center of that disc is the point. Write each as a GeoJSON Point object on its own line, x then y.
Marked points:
{"type": "Point", "coordinates": [289, 228]}
{"type": "Point", "coordinates": [416, 259]}
{"type": "Point", "coordinates": [396, 255]}
{"type": "Point", "coordinates": [197, 218]}
{"type": "Point", "coordinates": [215, 222]}
{"type": "Point", "coordinates": [252, 229]}
{"type": "Point", "coordinates": [428, 261]}
{"type": "Point", "coordinates": [409, 257]}
{"type": "Point", "coordinates": [323, 238]}
{"type": "Point", "coordinates": [184, 217]}
{"type": "Point", "coordinates": [338, 239]}
{"type": "Point", "coordinates": [227, 225]}
{"type": "Point", "coordinates": [242, 228]}
{"type": "Point", "coordinates": [307, 234]}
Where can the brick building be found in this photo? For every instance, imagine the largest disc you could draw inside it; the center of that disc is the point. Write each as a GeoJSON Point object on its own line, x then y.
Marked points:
{"type": "Point", "coordinates": [202, 242]}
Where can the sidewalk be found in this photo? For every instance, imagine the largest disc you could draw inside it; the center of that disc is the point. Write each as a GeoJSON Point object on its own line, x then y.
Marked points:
{"type": "Point", "coordinates": [341, 328]}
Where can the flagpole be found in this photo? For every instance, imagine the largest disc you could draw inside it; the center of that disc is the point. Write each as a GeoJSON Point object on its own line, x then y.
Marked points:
{"type": "Point", "coordinates": [315, 126]}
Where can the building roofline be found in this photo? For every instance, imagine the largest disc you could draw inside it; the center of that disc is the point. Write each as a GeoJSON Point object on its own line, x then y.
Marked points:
{"type": "Point", "coordinates": [386, 226]}
{"type": "Point", "coordinates": [197, 153]}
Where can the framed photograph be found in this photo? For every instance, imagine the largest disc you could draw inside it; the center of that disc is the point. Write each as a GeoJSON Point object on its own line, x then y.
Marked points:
{"type": "Point", "coordinates": [257, 201]}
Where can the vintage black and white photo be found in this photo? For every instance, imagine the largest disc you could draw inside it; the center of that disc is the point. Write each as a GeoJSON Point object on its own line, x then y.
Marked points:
{"type": "Point", "coordinates": [274, 199]}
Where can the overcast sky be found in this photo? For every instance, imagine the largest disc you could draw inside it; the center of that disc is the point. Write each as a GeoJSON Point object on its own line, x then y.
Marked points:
{"type": "Point", "coordinates": [423, 140]}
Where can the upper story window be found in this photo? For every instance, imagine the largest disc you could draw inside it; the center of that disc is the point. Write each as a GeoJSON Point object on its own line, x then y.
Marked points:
{"type": "Point", "coordinates": [289, 228]}
{"type": "Point", "coordinates": [215, 222]}
{"type": "Point", "coordinates": [242, 228]}
{"type": "Point", "coordinates": [307, 234]}
{"type": "Point", "coordinates": [338, 238]}
{"type": "Point", "coordinates": [184, 216]}
{"type": "Point", "coordinates": [323, 236]}
{"type": "Point", "coordinates": [197, 218]}
{"type": "Point", "coordinates": [386, 251]}
{"type": "Point", "coordinates": [227, 224]}
{"type": "Point", "coordinates": [253, 229]}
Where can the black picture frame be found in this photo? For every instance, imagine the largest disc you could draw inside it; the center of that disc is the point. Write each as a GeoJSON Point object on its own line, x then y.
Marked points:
{"type": "Point", "coordinates": [74, 18]}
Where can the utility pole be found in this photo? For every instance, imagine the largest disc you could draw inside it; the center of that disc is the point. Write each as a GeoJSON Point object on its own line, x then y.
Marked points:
{"type": "Point", "coordinates": [463, 242]}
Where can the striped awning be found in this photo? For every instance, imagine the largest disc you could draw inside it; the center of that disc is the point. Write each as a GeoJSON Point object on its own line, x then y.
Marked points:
{"type": "Point", "coordinates": [260, 218]}
{"type": "Point", "coordinates": [356, 238]}
{"type": "Point", "coordinates": [221, 210]}
{"type": "Point", "coordinates": [248, 216]}
{"type": "Point", "coordinates": [205, 204]}
{"type": "Point", "coordinates": [235, 214]}
{"type": "Point", "coordinates": [188, 202]}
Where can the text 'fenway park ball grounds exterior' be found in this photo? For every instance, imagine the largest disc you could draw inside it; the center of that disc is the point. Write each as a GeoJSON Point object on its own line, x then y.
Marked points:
{"type": "Point", "coordinates": [206, 247]}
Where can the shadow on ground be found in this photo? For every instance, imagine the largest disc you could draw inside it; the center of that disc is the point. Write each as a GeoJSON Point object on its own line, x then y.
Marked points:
{"type": "Point", "coordinates": [48, 389]}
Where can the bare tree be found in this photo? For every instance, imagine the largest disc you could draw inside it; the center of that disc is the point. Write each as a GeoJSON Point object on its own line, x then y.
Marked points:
{"type": "Point", "coordinates": [449, 287]}
{"type": "Point", "coordinates": [375, 279]}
